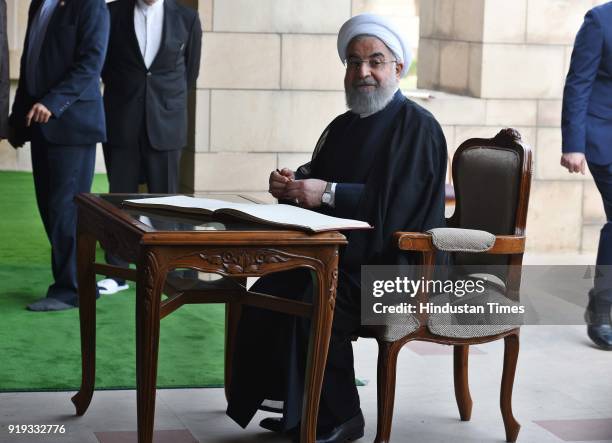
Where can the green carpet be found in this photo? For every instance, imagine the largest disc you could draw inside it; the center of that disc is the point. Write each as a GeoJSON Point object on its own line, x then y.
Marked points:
{"type": "Point", "coordinates": [41, 350]}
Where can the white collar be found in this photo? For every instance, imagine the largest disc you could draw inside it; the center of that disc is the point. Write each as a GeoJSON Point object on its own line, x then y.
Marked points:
{"type": "Point", "coordinates": [146, 8]}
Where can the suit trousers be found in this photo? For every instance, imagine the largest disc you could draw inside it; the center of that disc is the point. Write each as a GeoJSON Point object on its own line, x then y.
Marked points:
{"type": "Point", "coordinates": [602, 174]}
{"type": "Point", "coordinates": [60, 173]}
{"type": "Point", "coordinates": [269, 361]}
{"type": "Point", "coordinates": [129, 166]}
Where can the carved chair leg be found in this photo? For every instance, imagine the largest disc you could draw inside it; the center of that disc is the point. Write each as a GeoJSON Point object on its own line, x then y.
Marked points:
{"type": "Point", "coordinates": [462, 388]}
{"type": "Point", "coordinates": [387, 366]}
{"type": "Point", "coordinates": [511, 350]}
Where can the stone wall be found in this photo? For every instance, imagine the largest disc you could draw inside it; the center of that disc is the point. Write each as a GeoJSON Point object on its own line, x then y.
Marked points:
{"type": "Point", "coordinates": [271, 81]}
{"type": "Point", "coordinates": [506, 62]}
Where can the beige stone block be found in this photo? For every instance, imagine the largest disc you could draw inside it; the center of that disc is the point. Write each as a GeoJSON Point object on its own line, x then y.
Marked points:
{"type": "Point", "coordinates": [205, 9]}
{"type": "Point", "coordinates": [271, 121]}
{"type": "Point", "coordinates": [14, 63]}
{"type": "Point", "coordinates": [428, 67]}
{"type": "Point", "coordinates": [444, 16]}
{"type": "Point", "coordinates": [590, 239]}
{"type": "Point", "coordinates": [547, 165]}
{"type": "Point", "coordinates": [293, 161]}
{"type": "Point", "coordinates": [455, 110]}
{"type": "Point", "coordinates": [202, 121]}
{"type": "Point", "coordinates": [427, 18]}
{"type": "Point", "coordinates": [311, 62]}
{"type": "Point", "coordinates": [449, 136]}
{"type": "Point", "coordinates": [555, 21]}
{"type": "Point", "coordinates": [288, 16]}
{"type": "Point", "coordinates": [411, 25]}
{"type": "Point", "coordinates": [511, 113]}
{"type": "Point", "coordinates": [522, 71]}
{"type": "Point", "coordinates": [232, 172]}
{"type": "Point", "coordinates": [8, 157]}
{"type": "Point", "coordinates": [454, 62]}
{"type": "Point", "coordinates": [528, 135]}
{"type": "Point", "coordinates": [24, 158]}
{"type": "Point", "coordinates": [240, 61]}
{"type": "Point", "coordinates": [475, 70]}
{"type": "Point", "coordinates": [592, 205]}
{"type": "Point", "coordinates": [17, 19]}
{"type": "Point", "coordinates": [463, 133]}
{"type": "Point", "coordinates": [549, 113]}
{"type": "Point", "coordinates": [100, 167]}
{"type": "Point", "coordinates": [505, 21]}
{"type": "Point", "coordinates": [468, 20]}
{"type": "Point", "coordinates": [554, 221]}
{"type": "Point", "coordinates": [384, 7]}
{"type": "Point", "coordinates": [548, 156]}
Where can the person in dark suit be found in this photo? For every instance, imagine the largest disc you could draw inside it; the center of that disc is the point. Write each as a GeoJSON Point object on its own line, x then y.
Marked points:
{"type": "Point", "coordinates": [587, 138]}
{"type": "Point", "coordinates": [58, 107]}
{"type": "Point", "coordinates": [5, 85]}
{"type": "Point", "coordinates": [153, 61]}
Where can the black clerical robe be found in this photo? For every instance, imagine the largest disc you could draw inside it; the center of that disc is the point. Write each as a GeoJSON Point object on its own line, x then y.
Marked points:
{"type": "Point", "coordinates": [390, 168]}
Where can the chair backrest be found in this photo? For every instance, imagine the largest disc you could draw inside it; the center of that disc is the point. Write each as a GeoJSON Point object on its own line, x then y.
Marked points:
{"type": "Point", "coordinates": [492, 180]}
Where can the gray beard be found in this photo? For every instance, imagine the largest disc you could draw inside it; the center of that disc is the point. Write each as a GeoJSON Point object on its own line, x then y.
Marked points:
{"type": "Point", "coordinates": [366, 103]}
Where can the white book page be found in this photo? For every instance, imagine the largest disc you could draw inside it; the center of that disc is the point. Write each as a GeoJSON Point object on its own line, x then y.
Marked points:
{"type": "Point", "coordinates": [282, 214]}
{"type": "Point", "coordinates": [293, 215]}
{"type": "Point", "coordinates": [184, 201]}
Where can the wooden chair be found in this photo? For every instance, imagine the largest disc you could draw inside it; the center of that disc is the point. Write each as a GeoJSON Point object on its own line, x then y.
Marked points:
{"type": "Point", "coordinates": [492, 179]}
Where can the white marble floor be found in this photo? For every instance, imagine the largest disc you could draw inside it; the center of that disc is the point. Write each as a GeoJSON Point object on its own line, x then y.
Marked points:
{"type": "Point", "coordinates": [562, 381]}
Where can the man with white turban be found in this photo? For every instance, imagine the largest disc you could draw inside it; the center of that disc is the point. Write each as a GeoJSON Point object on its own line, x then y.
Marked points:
{"type": "Point", "coordinates": [384, 162]}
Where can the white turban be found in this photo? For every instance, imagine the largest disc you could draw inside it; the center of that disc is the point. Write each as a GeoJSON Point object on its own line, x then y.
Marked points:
{"type": "Point", "coordinates": [381, 28]}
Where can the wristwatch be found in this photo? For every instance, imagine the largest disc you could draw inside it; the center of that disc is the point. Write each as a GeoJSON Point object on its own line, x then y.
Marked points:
{"type": "Point", "coordinates": [328, 195]}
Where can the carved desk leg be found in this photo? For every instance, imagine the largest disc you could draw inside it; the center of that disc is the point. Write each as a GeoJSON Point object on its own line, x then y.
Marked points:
{"type": "Point", "coordinates": [151, 278]}
{"type": "Point", "coordinates": [320, 332]}
{"type": "Point", "coordinates": [86, 251]}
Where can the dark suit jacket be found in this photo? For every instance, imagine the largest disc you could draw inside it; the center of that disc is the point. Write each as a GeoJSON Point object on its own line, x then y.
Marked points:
{"type": "Point", "coordinates": [587, 98]}
{"type": "Point", "coordinates": [71, 59]}
{"type": "Point", "coordinates": [4, 73]}
{"type": "Point", "coordinates": [132, 92]}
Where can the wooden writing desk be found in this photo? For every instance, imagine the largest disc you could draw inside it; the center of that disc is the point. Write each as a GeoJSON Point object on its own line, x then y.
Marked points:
{"type": "Point", "coordinates": [158, 242]}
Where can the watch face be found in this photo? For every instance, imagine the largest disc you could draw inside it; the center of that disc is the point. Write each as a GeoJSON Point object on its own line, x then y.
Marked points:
{"type": "Point", "coordinates": [326, 198]}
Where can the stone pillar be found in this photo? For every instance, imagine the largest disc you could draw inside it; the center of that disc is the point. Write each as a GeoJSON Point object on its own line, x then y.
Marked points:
{"type": "Point", "coordinates": [513, 57]}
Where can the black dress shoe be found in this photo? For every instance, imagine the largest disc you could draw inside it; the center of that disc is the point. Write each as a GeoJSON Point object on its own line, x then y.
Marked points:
{"type": "Point", "coordinates": [601, 335]}
{"type": "Point", "coordinates": [276, 424]}
{"type": "Point", "coordinates": [599, 321]}
{"type": "Point", "coordinates": [348, 431]}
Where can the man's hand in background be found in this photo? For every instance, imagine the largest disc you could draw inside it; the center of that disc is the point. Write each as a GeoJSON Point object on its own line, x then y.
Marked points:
{"type": "Point", "coordinates": [39, 114]}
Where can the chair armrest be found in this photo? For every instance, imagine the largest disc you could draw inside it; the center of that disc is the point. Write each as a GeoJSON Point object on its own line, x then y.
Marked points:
{"type": "Point", "coordinates": [508, 244]}
{"type": "Point", "coordinates": [414, 241]}
{"type": "Point", "coordinates": [420, 241]}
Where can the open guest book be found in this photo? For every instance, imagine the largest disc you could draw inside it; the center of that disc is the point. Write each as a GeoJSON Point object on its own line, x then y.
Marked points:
{"type": "Point", "coordinates": [287, 216]}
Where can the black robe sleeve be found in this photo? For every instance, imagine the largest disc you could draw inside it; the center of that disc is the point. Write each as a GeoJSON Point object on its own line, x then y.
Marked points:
{"type": "Point", "coordinates": [404, 191]}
